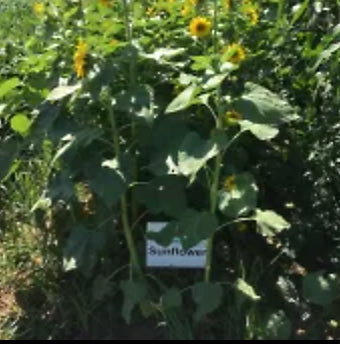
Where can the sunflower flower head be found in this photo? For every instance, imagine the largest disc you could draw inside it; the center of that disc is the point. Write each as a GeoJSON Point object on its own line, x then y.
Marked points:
{"type": "Point", "coordinates": [232, 117]}
{"type": "Point", "coordinates": [230, 183]}
{"type": "Point", "coordinates": [234, 53]}
{"type": "Point", "coordinates": [38, 8]}
{"type": "Point", "coordinates": [200, 27]}
{"type": "Point", "coordinates": [79, 59]}
{"type": "Point", "coordinates": [252, 13]}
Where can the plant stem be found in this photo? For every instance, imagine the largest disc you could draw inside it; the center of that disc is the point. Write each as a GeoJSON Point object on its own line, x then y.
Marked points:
{"type": "Point", "coordinates": [215, 25]}
{"type": "Point", "coordinates": [127, 5]}
{"type": "Point", "coordinates": [134, 262]}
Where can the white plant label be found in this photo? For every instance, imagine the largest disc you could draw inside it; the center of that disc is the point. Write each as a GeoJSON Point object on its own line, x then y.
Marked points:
{"type": "Point", "coordinates": [173, 256]}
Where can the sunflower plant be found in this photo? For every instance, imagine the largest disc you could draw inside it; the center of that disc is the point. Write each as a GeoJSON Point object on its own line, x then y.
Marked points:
{"type": "Point", "coordinates": [153, 109]}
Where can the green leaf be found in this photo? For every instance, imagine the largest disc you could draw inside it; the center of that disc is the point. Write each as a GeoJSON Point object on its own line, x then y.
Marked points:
{"type": "Point", "coordinates": [263, 132]}
{"type": "Point", "coordinates": [20, 124]}
{"type": "Point", "coordinates": [326, 55]}
{"type": "Point", "coordinates": [9, 150]}
{"type": "Point", "coordinates": [61, 92]}
{"type": "Point", "coordinates": [165, 194]}
{"type": "Point", "coordinates": [134, 293]}
{"type": "Point", "coordinates": [214, 81]}
{"type": "Point", "coordinates": [259, 105]}
{"type": "Point", "coordinates": [108, 184]}
{"type": "Point", "coordinates": [270, 223]}
{"type": "Point", "coordinates": [8, 85]}
{"type": "Point", "coordinates": [241, 199]}
{"type": "Point", "coordinates": [194, 153]}
{"type": "Point", "coordinates": [278, 327]}
{"type": "Point", "coordinates": [172, 299]}
{"type": "Point", "coordinates": [82, 248]}
{"type": "Point", "coordinates": [208, 297]}
{"type": "Point", "coordinates": [246, 289]}
{"type": "Point", "coordinates": [165, 144]}
{"type": "Point", "coordinates": [321, 289]}
{"type": "Point", "coordinates": [183, 100]}
{"type": "Point", "coordinates": [192, 228]}
{"type": "Point", "coordinates": [2, 108]}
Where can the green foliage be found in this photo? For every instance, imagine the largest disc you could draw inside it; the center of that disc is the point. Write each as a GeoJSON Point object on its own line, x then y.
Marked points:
{"type": "Point", "coordinates": [145, 122]}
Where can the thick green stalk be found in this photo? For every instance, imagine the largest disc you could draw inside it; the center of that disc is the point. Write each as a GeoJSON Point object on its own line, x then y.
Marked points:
{"type": "Point", "coordinates": [218, 161]}
{"type": "Point", "coordinates": [128, 5]}
{"type": "Point", "coordinates": [213, 208]}
{"type": "Point", "coordinates": [134, 262]}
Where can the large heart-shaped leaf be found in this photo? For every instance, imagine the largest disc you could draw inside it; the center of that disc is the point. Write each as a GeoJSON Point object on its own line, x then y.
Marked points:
{"type": "Point", "coordinates": [134, 293]}
{"type": "Point", "coordinates": [194, 153]}
{"type": "Point", "coordinates": [241, 198]}
{"type": "Point", "coordinates": [165, 194]}
{"type": "Point", "coordinates": [82, 248]}
{"type": "Point", "coordinates": [270, 223]}
{"type": "Point", "coordinates": [191, 228]}
{"type": "Point", "coordinates": [208, 297]}
{"type": "Point", "coordinates": [183, 100]}
{"type": "Point", "coordinates": [260, 106]}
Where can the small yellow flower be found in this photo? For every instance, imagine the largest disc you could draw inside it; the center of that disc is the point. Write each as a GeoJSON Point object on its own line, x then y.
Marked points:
{"type": "Point", "coordinates": [230, 183]}
{"type": "Point", "coordinates": [79, 59]}
{"type": "Point", "coordinates": [235, 53]}
{"type": "Point", "coordinates": [186, 10]}
{"type": "Point", "coordinates": [200, 27]}
{"type": "Point", "coordinates": [232, 117]}
{"type": "Point", "coordinates": [38, 8]}
{"type": "Point", "coordinates": [253, 15]}
{"type": "Point", "coordinates": [151, 11]}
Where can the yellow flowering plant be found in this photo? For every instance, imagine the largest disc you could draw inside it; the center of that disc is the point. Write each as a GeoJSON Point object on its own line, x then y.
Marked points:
{"type": "Point", "coordinates": [166, 111]}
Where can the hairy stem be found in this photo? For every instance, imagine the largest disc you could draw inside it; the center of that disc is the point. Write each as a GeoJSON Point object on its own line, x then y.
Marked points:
{"type": "Point", "coordinates": [134, 262]}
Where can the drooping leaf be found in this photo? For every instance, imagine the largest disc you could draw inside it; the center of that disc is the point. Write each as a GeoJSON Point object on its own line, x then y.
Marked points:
{"type": "Point", "coordinates": [8, 85]}
{"type": "Point", "coordinates": [134, 293]}
{"type": "Point", "coordinates": [241, 198]}
{"type": "Point", "coordinates": [191, 228]}
{"type": "Point", "coordinates": [246, 289]}
{"type": "Point", "coordinates": [194, 153]}
{"type": "Point", "coordinates": [108, 184]}
{"type": "Point", "coordinates": [82, 248]}
{"type": "Point", "coordinates": [270, 223]}
{"type": "Point", "coordinates": [183, 100]}
{"type": "Point", "coordinates": [61, 92]}
{"type": "Point", "coordinates": [208, 297]}
{"type": "Point", "coordinates": [263, 132]}
{"type": "Point", "coordinates": [165, 194]}
{"type": "Point", "coordinates": [261, 106]}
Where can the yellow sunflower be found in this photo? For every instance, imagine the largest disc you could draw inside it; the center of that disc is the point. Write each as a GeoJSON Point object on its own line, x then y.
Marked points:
{"type": "Point", "coordinates": [230, 183]}
{"type": "Point", "coordinates": [232, 117]}
{"type": "Point", "coordinates": [79, 59]}
{"type": "Point", "coordinates": [38, 8]}
{"type": "Point", "coordinates": [200, 27]}
{"type": "Point", "coordinates": [235, 53]}
{"type": "Point", "coordinates": [252, 13]}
